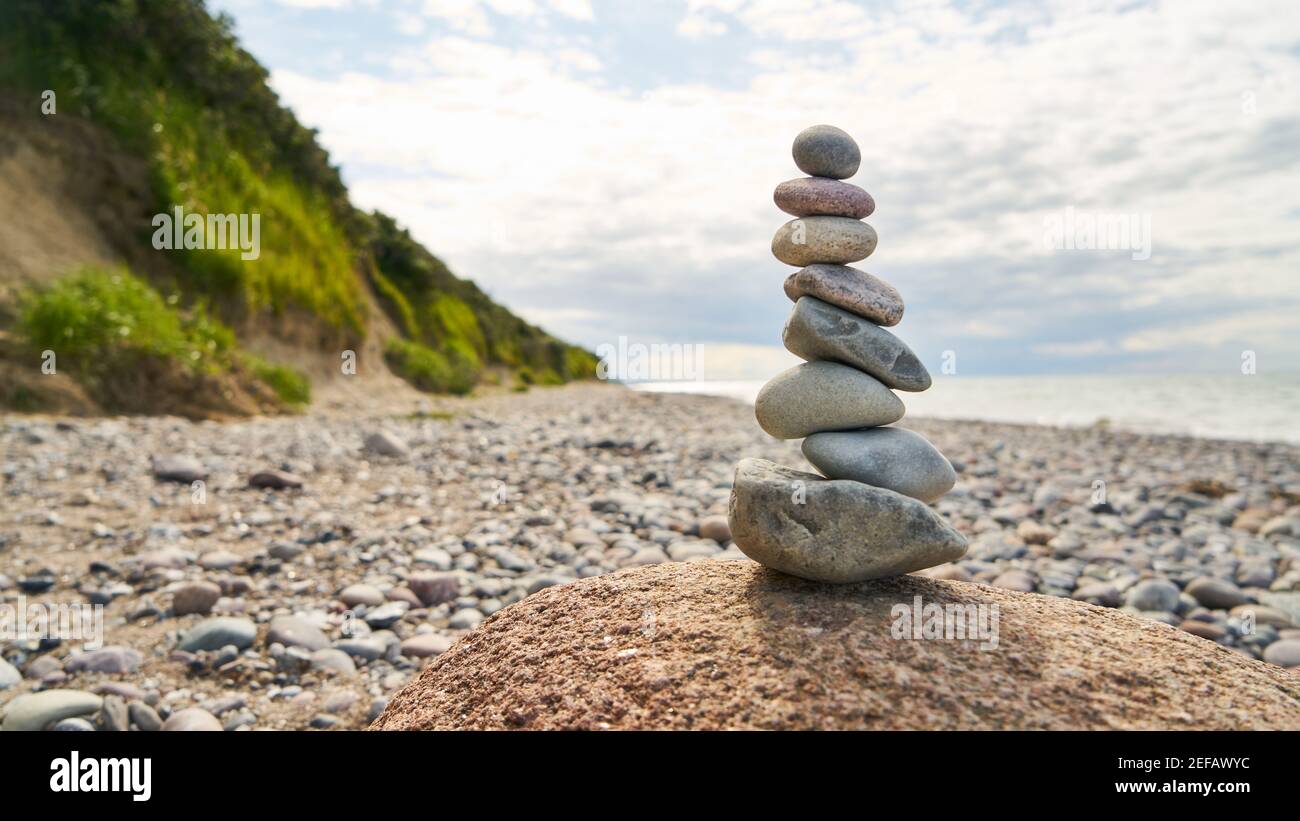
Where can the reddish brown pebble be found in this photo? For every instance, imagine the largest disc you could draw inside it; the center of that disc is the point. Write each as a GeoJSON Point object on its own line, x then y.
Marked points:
{"type": "Point", "coordinates": [855, 291]}
{"type": "Point", "coordinates": [821, 196]}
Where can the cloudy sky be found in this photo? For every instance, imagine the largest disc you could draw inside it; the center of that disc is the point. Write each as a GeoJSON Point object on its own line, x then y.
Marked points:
{"type": "Point", "coordinates": [605, 167]}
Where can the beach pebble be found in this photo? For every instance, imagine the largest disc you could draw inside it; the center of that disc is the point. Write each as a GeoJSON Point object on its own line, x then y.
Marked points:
{"type": "Point", "coordinates": [1285, 653]}
{"type": "Point", "coordinates": [835, 240]}
{"type": "Point", "coordinates": [465, 619]}
{"type": "Point", "coordinates": [715, 528]}
{"type": "Point", "coordinates": [9, 675]}
{"type": "Point", "coordinates": [850, 289]}
{"type": "Point", "coordinates": [113, 715]}
{"type": "Point", "coordinates": [192, 719]}
{"type": "Point", "coordinates": [826, 151]}
{"type": "Point", "coordinates": [333, 660]}
{"type": "Point", "coordinates": [33, 711]}
{"type": "Point", "coordinates": [386, 444]}
{"type": "Point", "coordinates": [425, 645]}
{"type": "Point", "coordinates": [105, 660]}
{"type": "Point", "coordinates": [73, 725]}
{"type": "Point", "coordinates": [823, 197]}
{"type": "Point", "coordinates": [215, 633]}
{"type": "Point", "coordinates": [893, 458]}
{"type": "Point", "coordinates": [195, 597]}
{"type": "Point", "coordinates": [434, 588]}
{"type": "Point", "coordinates": [296, 631]}
{"type": "Point", "coordinates": [819, 331]}
{"type": "Point", "coordinates": [275, 480]}
{"type": "Point", "coordinates": [180, 469]}
{"type": "Point", "coordinates": [358, 594]}
{"type": "Point", "coordinates": [833, 531]}
{"type": "Point", "coordinates": [1206, 630]}
{"type": "Point", "coordinates": [1159, 595]}
{"type": "Point", "coordinates": [144, 717]}
{"type": "Point", "coordinates": [823, 396]}
{"type": "Point", "coordinates": [1100, 593]}
{"type": "Point", "coordinates": [1216, 594]}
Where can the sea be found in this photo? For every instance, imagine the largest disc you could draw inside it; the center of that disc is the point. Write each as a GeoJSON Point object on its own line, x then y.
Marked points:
{"type": "Point", "coordinates": [1250, 407]}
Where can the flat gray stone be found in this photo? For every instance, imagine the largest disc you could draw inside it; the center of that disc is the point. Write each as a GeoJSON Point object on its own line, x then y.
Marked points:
{"type": "Point", "coordinates": [213, 634]}
{"type": "Point", "coordinates": [857, 292]}
{"type": "Point", "coordinates": [295, 631]}
{"type": "Point", "coordinates": [817, 330]}
{"type": "Point", "coordinates": [892, 458]}
{"type": "Point", "coordinates": [835, 240]}
{"type": "Point", "coordinates": [1216, 594]}
{"type": "Point", "coordinates": [386, 444]}
{"type": "Point", "coordinates": [826, 151]}
{"type": "Point", "coordinates": [823, 197]}
{"type": "Point", "coordinates": [182, 469]}
{"type": "Point", "coordinates": [833, 530]}
{"type": "Point", "coordinates": [824, 396]}
{"type": "Point", "coordinates": [33, 711]}
{"type": "Point", "coordinates": [1153, 595]}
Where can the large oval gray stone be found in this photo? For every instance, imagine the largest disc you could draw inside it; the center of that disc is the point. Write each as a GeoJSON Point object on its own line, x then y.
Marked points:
{"type": "Point", "coordinates": [816, 330]}
{"type": "Point", "coordinates": [296, 631]}
{"type": "Point", "coordinates": [893, 458]}
{"type": "Point", "coordinates": [833, 530]}
{"type": "Point", "coordinates": [213, 634]}
{"type": "Point", "coordinates": [857, 292]}
{"type": "Point", "coordinates": [835, 240]}
{"type": "Point", "coordinates": [822, 197]}
{"type": "Point", "coordinates": [33, 711]}
{"type": "Point", "coordinates": [822, 396]}
{"type": "Point", "coordinates": [826, 151]}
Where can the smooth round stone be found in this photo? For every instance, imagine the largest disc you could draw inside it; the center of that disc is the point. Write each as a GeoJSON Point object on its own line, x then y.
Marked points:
{"type": "Point", "coordinates": [892, 458]}
{"type": "Point", "coordinates": [213, 634]}
{"type": "Point", "coordinates": [819, 331]}
{"type": "Point", "coordinates": [434, 588]}
{"type": "Point", "coordinates": [834, 240]}
{"type": "Point", "coordinates": [857, 292]}
{"type": "Point", "coordinates": [275, 480]}
{"type": "Point", "coordinates": [826, 151]}
{"type": "Point", "coordinates": [1284, 653]}
{"type": "Point", "coordinates": [833, 531]}
{"type": "Point", "coordinates": [180, 469]}
{"type": "Point", "coordinates": [333, 660]}
{"type": "Point", "coordinates": [715, 528]}
{"type": "Point", "coordinates": [105, 660]}
{"type": "Point", "coordinates": [73, 725]}
{"type": "Point", "coordinates": [295, 631]}
{"type": "Point", "coordinates": [144, 717]}
{"type": "Point", "coordinates": [192, 720]}
{"type": "Point", "coordinates": [1205, 630]}
{"type": "Point", "coordinates": [1099, 593]}
{"type": "Point", "coordinates": [823, 396]}
{"type": "Point", "coordinates": [356, 594]}
{"type": "Point", "coordinates": [1216, 594]}
{"type": "Point", "coordinates": [823, 197]}
{"type": "Point", "coordinates": [424, 645]}
{"type": "Point", "coordinates": [33, 711]}
{"type": "Point", "coordinates": [195, 597]}
{"type": "Point", "coordinates": [1159, 595]}
{"type": "Point", "coordinates": [9, 675]}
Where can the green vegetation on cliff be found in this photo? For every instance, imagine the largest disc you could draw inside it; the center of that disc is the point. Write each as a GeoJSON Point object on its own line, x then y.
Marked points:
{"type": "Point", "coordinates": [172, 85]}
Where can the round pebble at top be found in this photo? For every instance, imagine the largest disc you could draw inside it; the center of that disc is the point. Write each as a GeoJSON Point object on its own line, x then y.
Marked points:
{"type": "Point", "coordinates": [826, 151]}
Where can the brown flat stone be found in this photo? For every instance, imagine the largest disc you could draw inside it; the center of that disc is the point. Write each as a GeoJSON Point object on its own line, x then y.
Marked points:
{"type": "Point", "coordinates": [855, 291]}
{"type": "Point", "coordinates": [821, 196]}
{"type": "Point", "coordinates": [730, 644]}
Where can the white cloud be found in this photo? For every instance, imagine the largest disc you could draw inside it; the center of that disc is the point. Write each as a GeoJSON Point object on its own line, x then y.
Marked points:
{"type": "Point", "coordinates": [543, 174]}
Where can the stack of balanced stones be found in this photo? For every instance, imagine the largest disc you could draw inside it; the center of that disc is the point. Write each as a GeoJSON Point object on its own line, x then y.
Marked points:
{"type": "Point", "coordinates": [867, 515]}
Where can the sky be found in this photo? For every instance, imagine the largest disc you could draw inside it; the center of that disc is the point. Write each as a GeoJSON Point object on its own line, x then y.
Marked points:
{"type": "Point", "coordinates": [605, 167]}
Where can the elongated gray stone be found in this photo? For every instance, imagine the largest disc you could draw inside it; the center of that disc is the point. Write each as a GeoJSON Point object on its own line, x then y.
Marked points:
{"type": "Point", "coordinates": [833, 530]}
{"type": "Point", "coordinates": [821, 396]}
{"type": "Point", "coordinates": [835, 240]}
{"type": "Point", "coordinates": [857, 292]}
{"type": "Point", "coordinates": [213, 634]}
{"type": "Point", "coordinates": [817, 330]}
{"type": "Point", "coordinates": [826, 151]}
{"type": "Point", "coordinates": [893, 458]}
{"type": "Point", "coordinates": [33, 711]}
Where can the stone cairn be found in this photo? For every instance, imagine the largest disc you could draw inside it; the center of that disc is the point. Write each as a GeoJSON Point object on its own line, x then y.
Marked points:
{"type": "Point", "coordinates": [868, 517]}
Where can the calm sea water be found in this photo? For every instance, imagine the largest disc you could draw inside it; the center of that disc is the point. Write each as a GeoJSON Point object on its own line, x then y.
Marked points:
{"type": "Point", "coordinates": [1262, 408]}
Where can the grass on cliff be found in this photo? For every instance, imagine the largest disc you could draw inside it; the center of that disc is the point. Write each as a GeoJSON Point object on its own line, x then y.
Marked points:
{"type": "Point", "coordinates": [106, 326]}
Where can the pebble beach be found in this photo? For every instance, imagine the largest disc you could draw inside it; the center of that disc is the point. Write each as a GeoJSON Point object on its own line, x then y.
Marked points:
{"type": "Point", "coordinates": [326, 558]}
